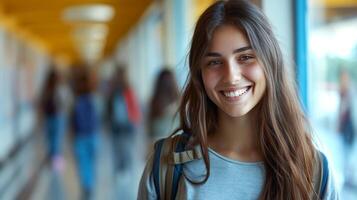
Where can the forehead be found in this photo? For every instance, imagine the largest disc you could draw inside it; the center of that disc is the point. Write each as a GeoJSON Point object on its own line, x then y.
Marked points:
{"type": "Point", "coordinates": [227, 37]}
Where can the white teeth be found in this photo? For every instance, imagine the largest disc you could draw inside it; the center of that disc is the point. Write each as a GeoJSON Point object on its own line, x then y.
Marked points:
{"type": "Point", "coordinates": [236, 93]}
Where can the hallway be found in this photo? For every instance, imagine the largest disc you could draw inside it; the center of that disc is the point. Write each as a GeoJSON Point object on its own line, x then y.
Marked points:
{"type": "Point", "coordinates": [66, 36]}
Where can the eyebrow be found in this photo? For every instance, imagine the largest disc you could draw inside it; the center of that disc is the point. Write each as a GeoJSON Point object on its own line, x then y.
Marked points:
{"type": "Point", "coordinates": [214, 54]}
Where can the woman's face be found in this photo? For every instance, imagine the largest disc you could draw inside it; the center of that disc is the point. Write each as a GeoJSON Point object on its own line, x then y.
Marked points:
{"type": "Point", "coordinates": [232, 76]}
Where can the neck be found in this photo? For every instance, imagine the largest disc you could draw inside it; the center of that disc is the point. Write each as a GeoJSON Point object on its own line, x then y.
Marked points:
{"type": "Point", "coordinates": [236, 138]}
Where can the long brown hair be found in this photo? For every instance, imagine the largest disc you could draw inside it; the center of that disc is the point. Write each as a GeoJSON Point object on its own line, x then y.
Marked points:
{"type": "Point", "coordinates": [83, 82]}
{"type": "Point", "coordinates": [283, 131]}
{"type": "Point", "coordinates": [48, 99]}
{"type": "Point", "coordinates": [166, 92]}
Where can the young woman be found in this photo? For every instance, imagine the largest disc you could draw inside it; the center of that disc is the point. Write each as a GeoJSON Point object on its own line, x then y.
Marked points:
{"type": "Point", "coordinates": [241, 108]}
{"type": "Point", "coordinates": [163, 105]}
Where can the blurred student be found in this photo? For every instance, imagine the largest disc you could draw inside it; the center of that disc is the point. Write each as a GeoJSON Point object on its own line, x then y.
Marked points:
{"type": "Point", "coordinates": [54, 119]}
{"type": "Point", "coordinates": [85, 124]}
{"type": "Point", "coordinates": [124, 118]}
{"type": "Point", "coordinates": [163, 106]}
{"type": "Point", "coordinates": [345, 125]}
{"type": "Point", "coordinates": [345, 121]}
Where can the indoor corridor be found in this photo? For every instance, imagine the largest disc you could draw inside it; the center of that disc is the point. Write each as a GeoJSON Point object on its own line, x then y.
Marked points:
{"type": "Point", "coordinates": [72, 72]}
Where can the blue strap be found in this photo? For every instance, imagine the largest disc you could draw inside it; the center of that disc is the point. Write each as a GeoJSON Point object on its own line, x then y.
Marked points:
{"type": "Point", "coordinates": [156, 167]}
{"type": "Point", "coordinates": [178, 168]}
{"type": "Point", "coordinates": [325, 174]}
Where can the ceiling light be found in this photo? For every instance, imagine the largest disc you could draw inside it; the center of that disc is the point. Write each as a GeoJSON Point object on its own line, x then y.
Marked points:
{"type": "Point", "coordinates": [89, 12]}
{"type": "Point", "coordinates": [91, 32]}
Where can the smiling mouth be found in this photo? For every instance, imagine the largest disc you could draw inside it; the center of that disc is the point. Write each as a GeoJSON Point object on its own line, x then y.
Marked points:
{"type": "Point", "coordinates": [235, 93]}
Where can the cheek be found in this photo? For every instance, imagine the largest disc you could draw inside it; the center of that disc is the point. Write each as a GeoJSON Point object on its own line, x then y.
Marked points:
{"type": "Point", "coordinates": [208, 80]}
{"type": "Point", "coordinates": [256, 74]}
{"type": "Point", "coordinates": [209, 83]}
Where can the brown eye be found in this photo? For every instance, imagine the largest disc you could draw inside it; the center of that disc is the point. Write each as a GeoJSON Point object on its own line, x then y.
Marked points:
{"type": "Point", "coordinates": [246, 58]}
{"type": "Point", "coordinates": [212, 63]}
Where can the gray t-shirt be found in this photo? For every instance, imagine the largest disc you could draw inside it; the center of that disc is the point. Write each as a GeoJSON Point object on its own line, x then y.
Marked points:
{"type": "Point", "coordinates": [229, 179]}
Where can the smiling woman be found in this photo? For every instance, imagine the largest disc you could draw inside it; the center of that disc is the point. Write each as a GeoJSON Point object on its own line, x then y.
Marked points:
{"type": "Point", "coordinates": [231, 74]}
{"type": "Point", "coordinates": [244, 132]}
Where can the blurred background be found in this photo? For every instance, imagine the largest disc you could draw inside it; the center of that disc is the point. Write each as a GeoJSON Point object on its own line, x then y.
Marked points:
{"type": "Point", "coordinates": [86, 86]}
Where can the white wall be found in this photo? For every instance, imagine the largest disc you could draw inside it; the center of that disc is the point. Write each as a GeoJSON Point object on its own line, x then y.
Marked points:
{"type": "Point", "coordinates": [161, 38]}
{"type": "Point", "coordinates": [281, 16]}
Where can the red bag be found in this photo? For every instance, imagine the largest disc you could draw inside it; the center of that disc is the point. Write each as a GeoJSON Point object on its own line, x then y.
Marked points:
{"type": "Point", "coordinates": [132, 106]}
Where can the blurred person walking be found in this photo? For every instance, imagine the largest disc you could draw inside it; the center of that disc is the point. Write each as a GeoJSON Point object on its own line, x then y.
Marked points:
{"type": "Point", "coordinates": [124, 121]}
{"type": "Point", "coordinates": [163, 106]}
{"type": "Point", "coordinates": [85, 124]}
{"type": "Point", "coordinates": [345, 121]}
{"type": "Point", "coordinates": [124, 118]}
{"type": "Point", "coordinates": [53, 111]}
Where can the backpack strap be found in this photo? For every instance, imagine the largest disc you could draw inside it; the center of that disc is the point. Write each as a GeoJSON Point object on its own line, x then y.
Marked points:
{"type": "Point", "coordinates": [169, 157]}
{"type": "Point", "coordinates": [174, 171]}
{"type": "Point", "coordinates": [156, 166]}
{"type": "Point", "coordinates": [160, 166]}
{"type": "Point", "coordinates": [325, 175]}
{"type": "Point", "coordinates": [321, 175]}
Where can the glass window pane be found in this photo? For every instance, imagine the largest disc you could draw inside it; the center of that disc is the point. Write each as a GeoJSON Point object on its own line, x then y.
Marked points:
{"type": "Point", "coordinates": [332, 85]}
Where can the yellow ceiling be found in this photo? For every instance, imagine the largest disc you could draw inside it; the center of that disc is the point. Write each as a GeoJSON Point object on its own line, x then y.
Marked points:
{"type": "Point", "coordinates": [339, 3]}
{"type": "Point", "coordinates": [336, 9]}
{"type": "Point", "coordinates": [42, 21]}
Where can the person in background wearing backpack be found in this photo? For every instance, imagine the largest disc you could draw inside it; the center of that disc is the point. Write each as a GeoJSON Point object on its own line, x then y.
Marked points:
{"type": "Point", "coordinates": [124, 118]}
{"type": "Point", "coordinates": [85, 124]}
{"type": "Point", "coordinates": [243, 133]}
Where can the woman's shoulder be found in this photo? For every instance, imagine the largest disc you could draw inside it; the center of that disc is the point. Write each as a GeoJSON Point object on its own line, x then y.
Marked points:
{"type": "Point", "coordinates": [146, 186]}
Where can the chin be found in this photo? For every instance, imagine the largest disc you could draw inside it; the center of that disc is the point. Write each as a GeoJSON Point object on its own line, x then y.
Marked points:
{"type": "Point", "coordinates": [236, 113]}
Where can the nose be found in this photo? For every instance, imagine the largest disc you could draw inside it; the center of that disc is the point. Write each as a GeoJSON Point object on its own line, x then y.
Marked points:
{"type": "Point", "coordinates": [233, 72]}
